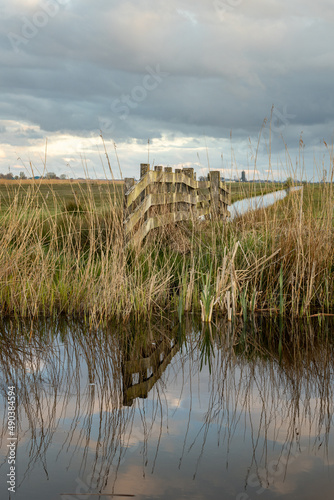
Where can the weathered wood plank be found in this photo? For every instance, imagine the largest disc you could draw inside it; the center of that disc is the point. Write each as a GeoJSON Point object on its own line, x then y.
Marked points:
{"type": "Point", "coordinates": [135, 217]}
{"type": "Point", "coordinates": [163, 220]}
{"type": "Point", "coordinates": [138, 188]}
{"type": "Point", "coordinates": [159, 221]}
{"type": "Point", "coordinates": [158, 199]}
{"type": "Point", "coordinates": [158, 177]}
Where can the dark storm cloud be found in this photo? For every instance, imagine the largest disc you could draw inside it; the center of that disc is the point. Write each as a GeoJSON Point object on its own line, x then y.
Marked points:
{"type": "Point", "coordinates": [223, 64]}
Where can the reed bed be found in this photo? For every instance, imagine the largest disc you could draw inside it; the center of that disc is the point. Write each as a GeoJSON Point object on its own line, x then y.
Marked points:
{"type": "Point", "coordinates": [70, 258]}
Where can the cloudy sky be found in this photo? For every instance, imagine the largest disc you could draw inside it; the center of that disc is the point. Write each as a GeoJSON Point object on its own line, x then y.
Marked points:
{"type": "Point", "coordinates": [198, 79]}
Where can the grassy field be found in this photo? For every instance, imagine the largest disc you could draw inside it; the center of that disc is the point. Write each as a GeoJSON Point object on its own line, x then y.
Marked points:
{"type": "Point", "coordinates": [241, 190]}
{"type": "Point", "coordinates": [52, 194]}
{"type": "Point", "coordinates": [62, 252]}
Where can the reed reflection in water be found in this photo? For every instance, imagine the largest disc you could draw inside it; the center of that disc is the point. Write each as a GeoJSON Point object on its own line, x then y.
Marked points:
{"type": "Point", "coordinates": [170, 411]}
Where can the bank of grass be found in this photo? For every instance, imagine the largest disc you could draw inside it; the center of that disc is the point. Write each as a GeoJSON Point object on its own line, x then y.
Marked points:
{"type": "Point", "coordinates": [241, 190]}
{"type": "Point", "coordinates": [60, 259]}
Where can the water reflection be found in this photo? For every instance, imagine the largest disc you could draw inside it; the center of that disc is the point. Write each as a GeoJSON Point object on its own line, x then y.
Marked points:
{"type": "Point", "coordinates": [164, 411]}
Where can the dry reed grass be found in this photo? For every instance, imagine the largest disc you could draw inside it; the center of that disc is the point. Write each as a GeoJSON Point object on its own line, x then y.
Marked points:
{"type": "Point", "coordinates": [56, 261]}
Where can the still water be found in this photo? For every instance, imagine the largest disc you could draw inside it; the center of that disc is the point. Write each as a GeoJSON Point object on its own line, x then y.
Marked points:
{"type": "Point", "coordinates": [164, 411]}
{"type": "Point", "coordinates": [242, 206]}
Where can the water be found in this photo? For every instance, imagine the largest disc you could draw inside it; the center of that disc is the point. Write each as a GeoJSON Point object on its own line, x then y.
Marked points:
{"type": "Point", "coordinates": [242, 206]}
{"type": "Point", "coordinates": [170, 412]}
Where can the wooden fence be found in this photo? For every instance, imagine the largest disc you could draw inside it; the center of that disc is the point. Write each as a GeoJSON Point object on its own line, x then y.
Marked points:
{"type": "Point", "coordinates": [163, 197]}
{"type": "Point", "coordinates": [142, 372]}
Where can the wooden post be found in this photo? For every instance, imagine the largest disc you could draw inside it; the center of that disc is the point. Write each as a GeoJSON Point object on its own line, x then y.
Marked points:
{"type": "Point", "coordinates": [158, 185]}
{"type": "Point", "coordinates": [169, 189]}
{"type": "Point", "coordinates": [177, 184]}
{"type": "Point", "coordinates": [177, 187]}
{"type": "Point", "coordinates": [214, 177]}
{"type": "Point", "coordinates": [189, 172]}
{"type": "Point", "coordinates": [169, 185]}
{"type": "Point", "coordinates": [128, 183]}
{"type": "Point", "coordinates": [144, 168]}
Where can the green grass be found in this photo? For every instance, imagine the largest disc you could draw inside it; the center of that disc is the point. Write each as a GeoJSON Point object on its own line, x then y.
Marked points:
{"type": "Point", "coordinates": [50, 196]}
{"type": "Point", "coordinates": [241, 190]}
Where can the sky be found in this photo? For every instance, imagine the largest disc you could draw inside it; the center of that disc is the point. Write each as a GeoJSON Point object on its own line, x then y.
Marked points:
{"type": "Point", "coordinates": [221, 84]}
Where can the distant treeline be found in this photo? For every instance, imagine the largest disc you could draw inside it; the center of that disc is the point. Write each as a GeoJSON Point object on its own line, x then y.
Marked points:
{"type": "Point", "coordinates": [49, 175]}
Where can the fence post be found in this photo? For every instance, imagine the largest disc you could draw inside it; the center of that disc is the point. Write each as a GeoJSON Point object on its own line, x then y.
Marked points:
{"type": "Point", "coordinates": [214, 177]}
{"type": "Point", "coordinates": [144, 168]}
{"type": "Point", "coordinates": [128, 183]}
{"type": "Point", "coordinates": [177, 184]}
{"type": "Point", "coordinates": [169, 188]}
{"type": "Point", "coordinates": [157, 187]}
{"type": "Point", "coordinates": [189, 172]}
{"type": "Point", "coordinates": [168, 170]}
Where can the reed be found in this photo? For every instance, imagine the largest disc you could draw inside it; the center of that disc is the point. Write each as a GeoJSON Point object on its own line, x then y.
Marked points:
{"type": "Point", "coordinates": [70, 258]}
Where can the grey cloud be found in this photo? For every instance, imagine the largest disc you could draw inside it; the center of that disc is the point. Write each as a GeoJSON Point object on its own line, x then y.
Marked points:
{"type": "Point", "coordinates": [223, 74]}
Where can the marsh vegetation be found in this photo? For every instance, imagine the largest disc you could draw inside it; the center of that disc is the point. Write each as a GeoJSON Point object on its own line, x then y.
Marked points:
{"type": "Point", "coordinates": [65, 254]}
